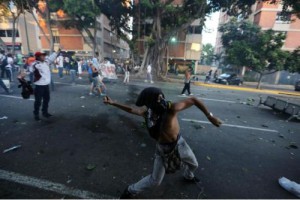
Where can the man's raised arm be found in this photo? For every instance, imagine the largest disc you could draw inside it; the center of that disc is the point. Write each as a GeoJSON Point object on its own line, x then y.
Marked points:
{"type": "Point", "coordinates": [136, 111]}
{"type": "Point", "coordinates": [186, 103]}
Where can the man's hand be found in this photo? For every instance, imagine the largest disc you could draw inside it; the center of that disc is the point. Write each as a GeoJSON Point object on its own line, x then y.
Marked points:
{"type": "Point", "coordinates": [215, 121]}
{"type": "Point", "coordinates": [107, 100]}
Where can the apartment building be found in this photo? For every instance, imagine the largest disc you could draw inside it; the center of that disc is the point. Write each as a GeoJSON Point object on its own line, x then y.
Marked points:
{"type": "Point", "coordinates": [27, 33]}
{"type": "Point", "coordinates": [108, 44]}
{"type": "Point", "coordinates": [30, 37]}
{"type": "Point", "coordinates": [270, 16]}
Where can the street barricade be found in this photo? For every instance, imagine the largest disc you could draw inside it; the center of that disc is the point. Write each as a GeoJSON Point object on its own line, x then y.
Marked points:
{"type": "Point", "coordinates": [283, 106]}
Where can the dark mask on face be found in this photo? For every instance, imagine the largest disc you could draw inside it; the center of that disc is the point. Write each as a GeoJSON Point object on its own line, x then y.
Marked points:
{"type": "Point", "coordinates": [161, 107]}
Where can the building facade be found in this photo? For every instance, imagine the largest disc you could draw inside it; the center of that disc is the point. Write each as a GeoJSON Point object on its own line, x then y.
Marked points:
{"type": "Point", "coordinates": [72, 40]}
{"type": "Point", "coordinates": [32, 34]}
{"type": "Point", "coordinates": [269, 16]}
{"type": "Point", "coordinates": [27, 33]}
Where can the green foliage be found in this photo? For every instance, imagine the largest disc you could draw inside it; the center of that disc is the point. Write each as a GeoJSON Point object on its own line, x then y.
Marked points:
{"type": "Point", "coordinates": [247, 45]}
{"type": "Point", "coordinates": [119, 13]}
{"type": "Point", "coordinates": [207, 55]}
{"type": "Point", "coordinates": [293, 61]}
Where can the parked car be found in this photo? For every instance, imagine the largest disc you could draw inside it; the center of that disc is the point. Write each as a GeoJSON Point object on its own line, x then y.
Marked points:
{"type": "Point", "coordinates": [229, 79]}
{"type": "Point", "coordinates": [297, 85]}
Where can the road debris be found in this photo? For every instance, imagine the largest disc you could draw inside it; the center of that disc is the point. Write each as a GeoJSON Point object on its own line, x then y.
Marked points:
{"type": "Point", "coordinates": [12, 148]}
{"type": "Point", "coordinates": [198, 127]}
{"type": "Point", "coordinates": [292, 146]}
{"type": "Point", "coordinates": [82, 97]}
{"type": "Point", "coordinates": [4, 117]}
{"type": "Point", "coordinates": [143, 145]}
{"type": "Point", "coordinates": [290, 186]}
{"type": "Point", "coordinates": [90, 167]}
{"type": "Point", "coordinates": [208, 158]}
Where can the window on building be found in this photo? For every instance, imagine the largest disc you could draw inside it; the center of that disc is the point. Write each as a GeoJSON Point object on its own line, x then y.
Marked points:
{"type": "Point", "coordinates": [194, 30]}
{"type": "Point", "coordinates": [56, 38]}
{"type": "Point", "coordinates": [8, 33]}
{"type": "Point", "coordinates": [282, 17]}
{"type": "Point", "coordinates": [99, 40]}
{"type": "Point", "coordinates": [2, 33]}
{"type": "Point", "coordinates": [98, 26]}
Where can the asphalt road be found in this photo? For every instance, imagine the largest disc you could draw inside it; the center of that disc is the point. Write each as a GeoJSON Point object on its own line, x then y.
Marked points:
{"type": "Point", "coordinates": [89, 148]}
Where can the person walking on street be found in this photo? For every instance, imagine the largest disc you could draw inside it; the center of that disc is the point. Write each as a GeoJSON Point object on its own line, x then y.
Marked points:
{"type": "Point", "coordinates": [96, 82]}
{"type": "Point", "coordinates": [42, 79]}
{"type": "Point", "coordinates": [172, 151]}
{"type": "Point", "coordinates": [9, 67]}
{"type": "Point", "coordinates": [73, 69]}
{"type": "Point", "coordinates": [4, 86]}
{"type": "Point", "coordinates": [3, 63]}
{"type": "Point", "coordinates": [187, 82]}
{"type": "Point", "coordinates": [60, 65]}
{"type": "Point", "coordinates": [149, 75]}
{"type": "Point", "coordinates": [67, 65]}
{"type": "Point", "coordinates": [80, 63]}
{"type": "Point", "coordinates": [208, 77]}
{"type": "Point", "coordinates": [216, 75]}
{"type": "Point", "coordinates": [127, 74]}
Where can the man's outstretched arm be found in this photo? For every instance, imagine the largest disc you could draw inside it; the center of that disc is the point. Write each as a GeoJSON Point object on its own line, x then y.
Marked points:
{"type": "Point", "coordinates": [182, 105]}
{"type": "Point", "coordinates": [139, 112]}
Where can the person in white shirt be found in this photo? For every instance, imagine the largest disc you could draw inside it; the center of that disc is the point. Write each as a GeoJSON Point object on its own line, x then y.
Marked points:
{"type": "Point", "coordinates": [127, 74]}
{"type": "Point", "coordinates": [42, 79]}
{"type": "Point", "coordinates": [60, 65]}
{"type": "Point", "coordinates": [80, 62]}
{"type": "Point", "coordinates": [149, 75]}
{"type": "Point", "coordinates": [9, 66]}
{"type": "Point", "coordinates": [95, 61]}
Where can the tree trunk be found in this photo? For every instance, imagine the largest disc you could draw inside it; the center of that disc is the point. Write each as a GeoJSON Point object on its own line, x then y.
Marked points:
{"type": "Point", "coordinates": [95, 38]}
{"type": "Point", "coordinates": [48, 20]}
{"type": "Point", "coordinates": [14, 34]}
{"type": "Point", "coordinates": [41, 29]}
{"type": "Point", "coordinates": [259, 80]}
{"type": "Point", "coordinates": [90, 35]}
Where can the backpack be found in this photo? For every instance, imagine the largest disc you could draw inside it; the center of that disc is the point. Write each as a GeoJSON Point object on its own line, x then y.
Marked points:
{"type": "Point", "coordinates": [27, 89]}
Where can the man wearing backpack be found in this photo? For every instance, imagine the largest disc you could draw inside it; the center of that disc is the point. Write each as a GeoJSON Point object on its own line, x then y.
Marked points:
{"type": "Point", "coordinates": [42, 79]}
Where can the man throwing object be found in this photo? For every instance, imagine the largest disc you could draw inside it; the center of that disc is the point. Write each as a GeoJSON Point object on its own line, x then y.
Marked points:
{"type": "Point", "coordinates": [162, 123]}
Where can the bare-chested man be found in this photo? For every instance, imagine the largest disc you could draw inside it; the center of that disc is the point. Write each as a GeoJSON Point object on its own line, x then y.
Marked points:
{"type": "Point", "coordinates": [172, 151]}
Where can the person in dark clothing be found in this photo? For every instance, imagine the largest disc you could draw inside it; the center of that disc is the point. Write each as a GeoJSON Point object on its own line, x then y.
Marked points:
{"type": "Point", "coordinates": [4, 86]}
{"type": "Point", "coordinates": [187, 82]}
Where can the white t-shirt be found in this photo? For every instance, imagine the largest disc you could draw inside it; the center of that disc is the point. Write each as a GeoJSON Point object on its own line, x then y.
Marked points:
{"type": "Point", "coordinates": [10, 62]}
{"type": "Point", "coordinates": [60, 61]}
{"type": "Point", "coordinates": [149, 68]}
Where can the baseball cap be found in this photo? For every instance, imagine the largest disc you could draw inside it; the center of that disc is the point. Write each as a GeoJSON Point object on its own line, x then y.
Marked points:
{"type": "Point", "coordinates": [37, 54]}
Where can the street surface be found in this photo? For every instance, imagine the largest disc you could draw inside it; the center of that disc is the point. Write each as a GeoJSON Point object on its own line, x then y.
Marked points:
{"type": "Point", "coordinates": [90, 150]}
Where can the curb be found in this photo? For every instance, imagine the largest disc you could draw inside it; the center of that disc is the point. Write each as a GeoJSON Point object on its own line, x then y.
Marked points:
{"type": "Point", "coordinates": [248, 89]}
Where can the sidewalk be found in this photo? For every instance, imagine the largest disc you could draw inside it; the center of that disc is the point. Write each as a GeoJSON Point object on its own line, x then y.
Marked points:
{"type": "Point", "coordinates": [247, 86]}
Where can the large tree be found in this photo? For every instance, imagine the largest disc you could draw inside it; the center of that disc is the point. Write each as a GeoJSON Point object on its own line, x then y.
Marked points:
{"type": "Point", "coordinates": [207, 54]}
{"type": "Point", "coordinates": [156, 21]}
{"type": "Point", "coordinates": [247, 45]}
{"type": "Point", "coordinates": [293, 61]}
